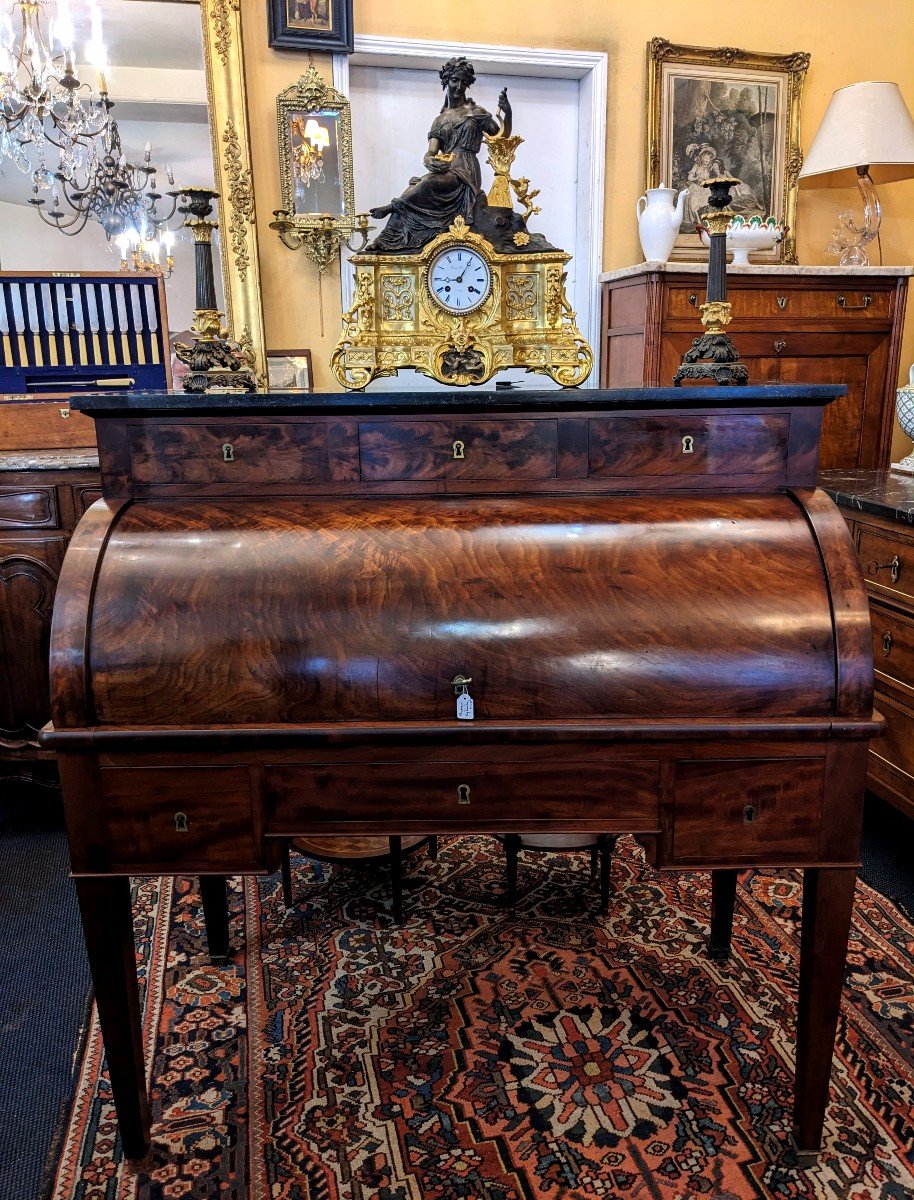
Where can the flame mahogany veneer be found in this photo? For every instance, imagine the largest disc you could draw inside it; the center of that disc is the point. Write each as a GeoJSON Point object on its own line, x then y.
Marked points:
{"type": "Point", "coordinates": [256, 629]}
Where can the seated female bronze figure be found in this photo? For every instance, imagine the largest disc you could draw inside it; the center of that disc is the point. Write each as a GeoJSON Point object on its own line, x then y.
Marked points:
{"type": "Point", "coordinates": [451, 186]}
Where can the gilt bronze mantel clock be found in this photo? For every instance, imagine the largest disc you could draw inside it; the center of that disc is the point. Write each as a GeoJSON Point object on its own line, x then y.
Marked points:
{"type": "Point", "coordinates": [455, 285]}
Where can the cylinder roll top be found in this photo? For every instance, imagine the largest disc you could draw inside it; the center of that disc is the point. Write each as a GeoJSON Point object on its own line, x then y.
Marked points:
{"type": "Point", "coordinates": [293, 612]}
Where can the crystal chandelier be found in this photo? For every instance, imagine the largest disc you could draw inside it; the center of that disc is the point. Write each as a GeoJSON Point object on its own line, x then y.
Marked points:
{"type": "Point", "coordinates": [121, 196]}
{"type": "Point", "coordinates": [42, 100]}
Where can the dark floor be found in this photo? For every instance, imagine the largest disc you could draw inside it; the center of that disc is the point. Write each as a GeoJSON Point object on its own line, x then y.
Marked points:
{"type": "Point", "coordinates": [44, 981]}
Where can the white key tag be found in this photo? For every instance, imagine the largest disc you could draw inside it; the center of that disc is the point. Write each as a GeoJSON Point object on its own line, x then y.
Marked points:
{"type": "Point", "coordinates": [465, 705]}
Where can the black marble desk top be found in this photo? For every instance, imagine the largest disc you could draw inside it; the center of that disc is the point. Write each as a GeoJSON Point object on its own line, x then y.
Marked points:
{"type": "Point", "coordinates": [884, 493]}
{"type": "Point", "coordinates": [497, 400]}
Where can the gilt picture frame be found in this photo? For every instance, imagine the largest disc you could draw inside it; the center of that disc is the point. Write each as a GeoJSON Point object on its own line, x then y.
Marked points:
{"type": "Point", "coordinates": [322, 25]}
{"type": "Point", "coordinates": [715, 110]}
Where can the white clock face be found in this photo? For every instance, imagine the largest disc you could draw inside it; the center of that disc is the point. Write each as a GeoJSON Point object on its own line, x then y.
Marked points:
{"type": "Point", "coordinates": [459, 279]}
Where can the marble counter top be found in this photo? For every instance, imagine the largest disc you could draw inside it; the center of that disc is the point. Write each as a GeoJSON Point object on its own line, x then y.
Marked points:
{"type": "Point", "coordinates": [776, 269]}
{"type": "Point", "coordinates": [884, 493]}
{"type": "Point", "coordinates": [48, 460]}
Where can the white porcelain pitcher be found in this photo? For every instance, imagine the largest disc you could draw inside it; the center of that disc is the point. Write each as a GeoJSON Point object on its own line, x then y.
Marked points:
{"type": "Point", "coordinates": [659, 218]}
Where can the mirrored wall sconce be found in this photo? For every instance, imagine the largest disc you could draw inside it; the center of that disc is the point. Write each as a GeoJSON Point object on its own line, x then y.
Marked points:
{"type": "Point", "coordinates": [321, 236]}
{"type": "Point", "coordinates": [315, 172]}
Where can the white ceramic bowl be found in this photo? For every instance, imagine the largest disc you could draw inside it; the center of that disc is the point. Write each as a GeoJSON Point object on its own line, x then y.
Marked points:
{"type": "Point", "coordinates": [744, 238]}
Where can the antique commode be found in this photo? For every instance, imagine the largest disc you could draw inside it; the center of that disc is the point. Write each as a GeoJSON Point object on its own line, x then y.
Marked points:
{"type": "Point", "coordinates": [258, 629]}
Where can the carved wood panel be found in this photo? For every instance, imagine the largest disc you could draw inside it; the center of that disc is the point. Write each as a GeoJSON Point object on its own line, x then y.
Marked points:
{"type": "Point", "coordinates": [28, 579]}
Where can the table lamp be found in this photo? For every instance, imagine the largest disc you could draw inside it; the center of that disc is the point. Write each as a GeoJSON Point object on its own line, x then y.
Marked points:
{"type": "Point", "coordinates": [866, 137]}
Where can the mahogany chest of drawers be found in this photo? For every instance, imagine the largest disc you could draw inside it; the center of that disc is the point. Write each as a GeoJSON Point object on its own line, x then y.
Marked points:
{"type": "Point", "coordinates": [879, 509]}
{"type": "Point", "coordinates": [259, 627]}
{"type": "Point", "coordinates": [788, 326]}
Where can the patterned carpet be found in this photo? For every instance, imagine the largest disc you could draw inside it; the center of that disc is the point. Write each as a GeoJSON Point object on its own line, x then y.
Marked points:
{"type": "Point", "coordinates": [475, 1055]}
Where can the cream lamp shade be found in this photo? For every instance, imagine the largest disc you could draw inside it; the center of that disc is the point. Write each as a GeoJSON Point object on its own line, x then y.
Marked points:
{"type": "Point", "coordinates": [865, 125]}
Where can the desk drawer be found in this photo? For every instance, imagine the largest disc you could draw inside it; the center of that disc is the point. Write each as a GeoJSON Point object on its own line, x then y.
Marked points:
{"type": "Point", "coordinates": [29, 508]}
{"type": "Point", "coordinates": [188, 818]}
{"type": "Point", "coordinates": [829, 305]}
{"type": "Point", "coordinates": [437, 797]}
{"type": "Point", "coordinates": [684, 444]}
{"type": "Point", "coordinates": [893, 647]}
{"type": "Point", "coordinates": [732, 812]}
{"type": "Point", "coordinates": [231, 453]}
{"type": "Point", "coordinates": [888, 562]}
{"type": "Point", "coordinates": [458, 449]}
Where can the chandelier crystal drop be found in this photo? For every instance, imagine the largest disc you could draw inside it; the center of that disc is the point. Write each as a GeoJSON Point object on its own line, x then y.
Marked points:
{"type": "Point", "coordinates": [43, 102]}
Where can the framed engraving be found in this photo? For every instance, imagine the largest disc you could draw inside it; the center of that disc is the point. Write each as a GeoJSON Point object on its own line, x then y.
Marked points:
{"type": "Point", "coordinates": [324, 25]}
{"type": "Point", "coordinates": [290, 371]}
{"type": "Point", "coordinates": [713, 111]}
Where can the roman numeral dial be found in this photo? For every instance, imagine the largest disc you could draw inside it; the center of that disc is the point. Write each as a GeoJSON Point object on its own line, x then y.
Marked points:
{"type": "Point", "coordinates": [459, 279]}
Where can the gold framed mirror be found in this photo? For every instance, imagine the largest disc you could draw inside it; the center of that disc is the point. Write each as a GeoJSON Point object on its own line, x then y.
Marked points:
{"type": "Point", "coordinates": [315, 153]}
{"type": "Point", "coordinates": [227, 95]}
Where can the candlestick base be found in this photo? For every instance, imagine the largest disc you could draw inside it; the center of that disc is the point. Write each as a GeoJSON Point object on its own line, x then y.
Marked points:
{"type": "Point", "coordinates": [215, 362]}
{"type": "Point", "coordinates": [713, 356]}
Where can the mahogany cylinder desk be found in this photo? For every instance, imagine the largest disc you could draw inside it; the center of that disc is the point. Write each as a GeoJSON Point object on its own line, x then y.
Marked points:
{"type": "Point", "coordinates": [259, 626]}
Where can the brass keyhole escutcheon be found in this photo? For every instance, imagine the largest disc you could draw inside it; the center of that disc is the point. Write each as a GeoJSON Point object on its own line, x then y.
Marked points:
{"type": "Point", "coordinates": [181, 822]}
{"type": "Point", "coordinates": [780, 346]}
{"type": "Point", "coordinates": [749, 814]}
{"type": "Point", "coordinates": [228, 452]}
{"type": "Point", "coordinates": [459, 449]}
{"type": "Point", "coordinates": [65, 413]}
{"type": "Point", "coordinates": [693, 299]}
{"type": "Point", "coordinates": [886, 644]}
{"type": "Point", "coordinates": [688, 444]}
{"type": "Point", "coordinates": [782, 301]}
{"type": "Point", "coordinates": [893, 568]}
{"type": "Point", "coordinates": [463, 793]}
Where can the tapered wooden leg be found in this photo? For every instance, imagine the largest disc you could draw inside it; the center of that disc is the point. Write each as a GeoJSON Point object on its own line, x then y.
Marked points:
{"type": "Point", "coordinates": [594, 860]}
{"type": "Point", "coordinates": [286, 868]}
{"type": "Point", "coordinates": [216, 915]}
{"type": "Point", "coordinates": [605, 845]}
{"type": "Point", "coordinates": [512, 848]}
{"type": "Point", "coordinates": [396, 877]}
{"type": "Point", "coordinates": [433, 848]}
{"type": "Point", "coordinates": [107, 919]}
{"type": "Point", "coordinates": [723, 901]}
{"type": "Point", "coordinates": [828, 901]}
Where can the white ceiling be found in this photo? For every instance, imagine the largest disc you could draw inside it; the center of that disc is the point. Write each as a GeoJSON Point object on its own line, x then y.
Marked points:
{"type": "Point", "coordinates": [156, 79]}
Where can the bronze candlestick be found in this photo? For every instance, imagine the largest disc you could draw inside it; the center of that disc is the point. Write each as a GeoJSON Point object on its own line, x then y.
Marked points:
{"type": "Point", "coordinates": [713, 356]}
{"type": "Point", "coordinates": [214, 360]}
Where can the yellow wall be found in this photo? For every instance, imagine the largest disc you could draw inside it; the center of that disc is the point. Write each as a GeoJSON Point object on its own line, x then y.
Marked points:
{"type": "Point", "coordinates": [831, 30]}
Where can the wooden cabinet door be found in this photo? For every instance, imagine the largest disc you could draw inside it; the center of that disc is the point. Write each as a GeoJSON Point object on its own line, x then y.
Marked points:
{"type": "Point", "coordinates": [856, 431]}
{"type": "Point", "coordinates": [28, 578]}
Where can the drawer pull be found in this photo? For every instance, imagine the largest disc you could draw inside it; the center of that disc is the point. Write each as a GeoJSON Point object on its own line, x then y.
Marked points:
{"type": "Point", "coordinates": [842, 303]}
{"type": "Point", "coordinates": [749, 814]}
{"type": "Point", "coordinates": [873, 568]}
{"type": "Point", "coordinates": [181, 822]}
{"type": "Point", "coordinates": [463, 793]}
{"type": "Point", "coordinates": [693, 299]}
{"type": "Point", "coordinates": [886, 644]}
{"type": "Point", "coordinates": [782, 301]}
{"type": "Point", "coordinates": [459, 449]}
{"type": "Point", "coordinates": [228, 452]}
{"type": "Point", "coordinates": [780, 347]}
{"type": "Point", "coordinates": [688, 444]}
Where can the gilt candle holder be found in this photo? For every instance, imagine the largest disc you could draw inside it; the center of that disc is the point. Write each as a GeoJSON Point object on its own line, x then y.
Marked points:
{"type": "Point", "coordinates": [713, 355]}
{"type": "Point", "coordinates": [216, 362]}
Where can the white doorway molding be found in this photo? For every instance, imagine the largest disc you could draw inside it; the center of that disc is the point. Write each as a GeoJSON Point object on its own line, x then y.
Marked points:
{"type": "Point", "coordinates": [589, 67]}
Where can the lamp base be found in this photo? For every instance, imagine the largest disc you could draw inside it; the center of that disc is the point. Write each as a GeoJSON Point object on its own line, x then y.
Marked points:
{"type": "Point", "coordinates": [713, 356]}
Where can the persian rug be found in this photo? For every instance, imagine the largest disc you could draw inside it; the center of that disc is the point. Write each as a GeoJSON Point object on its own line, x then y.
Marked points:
{"type": "Point", "coordinates": [478, 1055]}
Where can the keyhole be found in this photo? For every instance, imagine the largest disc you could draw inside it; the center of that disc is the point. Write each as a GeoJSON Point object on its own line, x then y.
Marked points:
{"type": "Point", "coordinates": [181, 822]}
{"type": "Point", "coordinates": [688, 444]}
{"type": "Point", "coordinates": [463, 793]}
{"type": "Point", "coordinates": [228, 452]}
{"type": "Point", "coordinates": [749, 814]}
{"type": "Point", "coordinates": [459, 452]}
